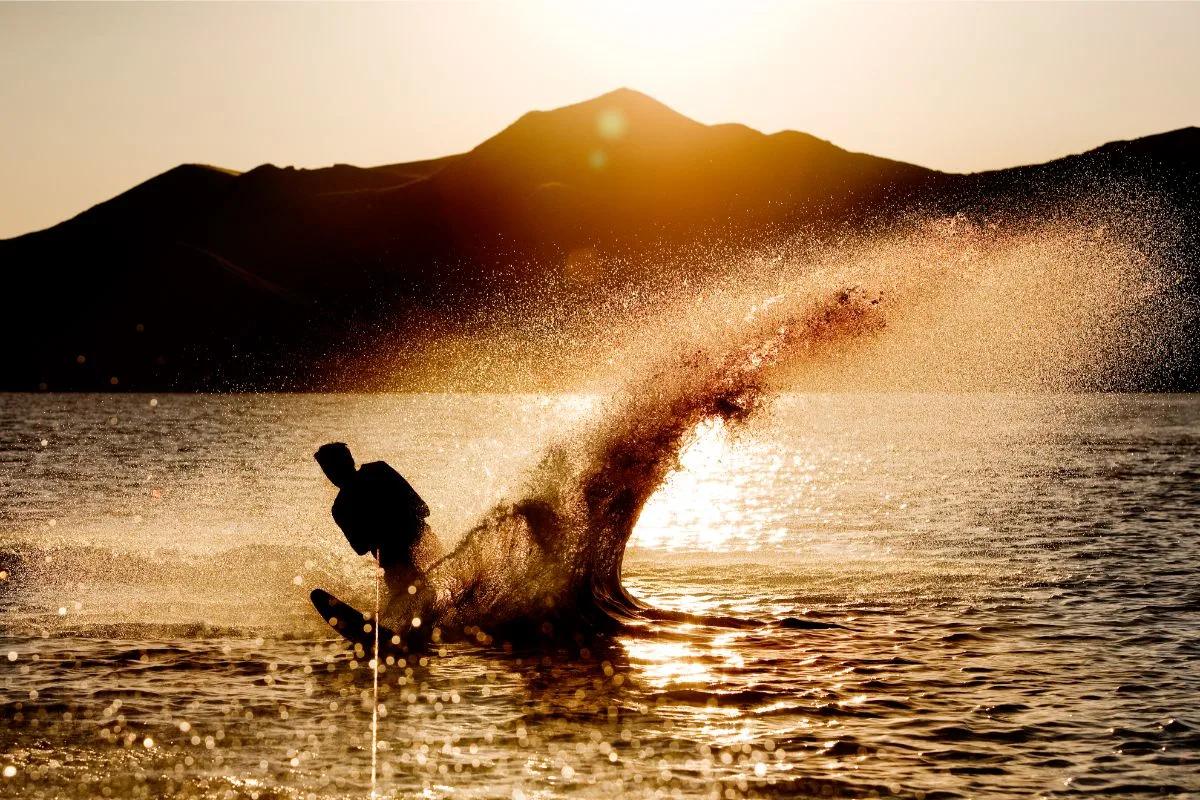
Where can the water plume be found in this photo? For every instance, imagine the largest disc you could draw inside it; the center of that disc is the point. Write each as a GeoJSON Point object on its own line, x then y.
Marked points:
{"type": "Point", "coordinates": [1069, 303]}
{"type": "Point", "coordinates": [554, 556]}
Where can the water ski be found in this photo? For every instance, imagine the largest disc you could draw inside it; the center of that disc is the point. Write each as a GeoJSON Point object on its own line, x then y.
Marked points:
{"type": "Point", "coordinates": [353, 625]}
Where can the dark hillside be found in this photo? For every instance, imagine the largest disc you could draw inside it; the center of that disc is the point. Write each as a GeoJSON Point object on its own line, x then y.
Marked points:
{"type": "Point", "coordinates": [205, 278]}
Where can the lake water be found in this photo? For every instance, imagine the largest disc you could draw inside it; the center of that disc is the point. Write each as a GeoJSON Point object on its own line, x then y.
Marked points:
{"type": "Point", "coordinates": [1014, 581]}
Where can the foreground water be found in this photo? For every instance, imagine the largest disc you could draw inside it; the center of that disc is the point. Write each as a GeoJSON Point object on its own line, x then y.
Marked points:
{"type": "Point", "coordinates": [1013, 581]}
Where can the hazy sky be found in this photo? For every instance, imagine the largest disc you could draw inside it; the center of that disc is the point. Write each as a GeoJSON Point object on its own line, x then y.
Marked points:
{"type": "Point", "coordinates": [95, 98]}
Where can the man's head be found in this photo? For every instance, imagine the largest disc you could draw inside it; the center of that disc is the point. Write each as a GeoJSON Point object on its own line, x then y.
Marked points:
{"type": "Point", "coordinates": [336, 461]}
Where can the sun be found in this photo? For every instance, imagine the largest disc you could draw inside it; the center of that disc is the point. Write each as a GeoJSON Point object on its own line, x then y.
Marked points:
{"type": "Point", "coordinates": [641, 43]}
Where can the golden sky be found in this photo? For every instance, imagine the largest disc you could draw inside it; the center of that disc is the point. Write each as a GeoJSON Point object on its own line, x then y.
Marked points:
{"type": "Point", "coordinates": [95, 98]}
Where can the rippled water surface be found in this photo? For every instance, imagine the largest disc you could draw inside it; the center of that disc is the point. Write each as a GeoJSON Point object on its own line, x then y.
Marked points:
{"type": "Point", "coordinates": [1013, 582]}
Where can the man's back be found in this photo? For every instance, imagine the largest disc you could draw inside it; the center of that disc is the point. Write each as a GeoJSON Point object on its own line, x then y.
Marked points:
{"type": "Point", "coordinates": [377, 508]}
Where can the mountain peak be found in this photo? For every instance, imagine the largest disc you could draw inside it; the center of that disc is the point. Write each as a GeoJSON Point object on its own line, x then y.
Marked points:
{"type": "Point", "coordinates": [622, 93]}
{"type": "Point", "coordinates": [607, 118]}
{"type": "Point", "coordinates": [630, 102]}
{"type": "Point", "coordinates": [625, 96]}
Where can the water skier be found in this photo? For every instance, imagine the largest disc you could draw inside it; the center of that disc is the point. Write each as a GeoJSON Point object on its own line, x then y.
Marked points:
{"type": "Point", "coordinates": [380, 513]}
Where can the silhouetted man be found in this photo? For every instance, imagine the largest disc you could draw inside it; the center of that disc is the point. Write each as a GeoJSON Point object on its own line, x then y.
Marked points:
{"type": "Point", "coordinates": [380, 513]}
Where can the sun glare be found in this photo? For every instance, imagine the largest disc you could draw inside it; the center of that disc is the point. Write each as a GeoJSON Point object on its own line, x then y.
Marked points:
{"type": "Point", "coordinates": [642, 40]}
{"type": "Point", "coordinates": [696, 508]}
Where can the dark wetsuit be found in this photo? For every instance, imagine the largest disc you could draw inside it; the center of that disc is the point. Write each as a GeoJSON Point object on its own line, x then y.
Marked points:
{"type": "Point", "coordinates": [379, 510]}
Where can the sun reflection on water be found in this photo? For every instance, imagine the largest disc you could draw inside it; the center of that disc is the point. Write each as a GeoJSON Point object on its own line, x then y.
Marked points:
{"type": "Point", "coordinates": [664, 665]}
{"type": "Point", "coordinates": [678, 664]}
{"type": "Point", "coordinates": [698, 506]}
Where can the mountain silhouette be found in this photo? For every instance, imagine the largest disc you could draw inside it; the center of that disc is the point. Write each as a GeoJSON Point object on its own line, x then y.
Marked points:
{"type": "Point", "coordinates": [282, 278]}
